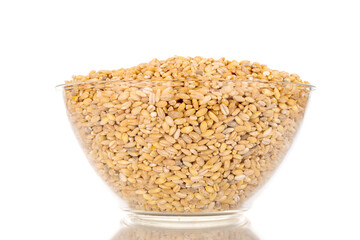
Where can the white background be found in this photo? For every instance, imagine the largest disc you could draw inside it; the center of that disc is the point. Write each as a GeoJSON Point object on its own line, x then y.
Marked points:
{"type": "Point", "coordinates": [49, 191]}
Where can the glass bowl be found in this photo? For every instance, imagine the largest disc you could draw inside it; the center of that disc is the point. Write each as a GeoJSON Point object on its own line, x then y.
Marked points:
{"type": "Point", "coordinates": [185, 150]}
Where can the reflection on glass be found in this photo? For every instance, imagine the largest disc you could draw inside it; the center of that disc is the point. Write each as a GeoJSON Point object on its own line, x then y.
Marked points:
{"type": "Point", "coordinates": [136, 232]}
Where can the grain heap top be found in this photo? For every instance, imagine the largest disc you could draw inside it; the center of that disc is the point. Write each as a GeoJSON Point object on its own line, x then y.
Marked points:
{"type": "Point", "coordinates": [182, 68]}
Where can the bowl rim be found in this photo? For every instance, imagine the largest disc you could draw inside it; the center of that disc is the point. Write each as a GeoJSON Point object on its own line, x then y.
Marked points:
{"type": "Point", "coordinates": [64, 85]}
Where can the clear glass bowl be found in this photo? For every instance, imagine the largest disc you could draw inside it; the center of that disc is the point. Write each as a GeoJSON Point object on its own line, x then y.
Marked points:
{"type": "Point", "coordinates": [182, 150]}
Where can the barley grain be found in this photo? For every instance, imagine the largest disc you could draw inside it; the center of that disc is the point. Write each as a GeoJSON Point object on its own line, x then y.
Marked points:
{"type": "Point", "coordinates": [201, 144]}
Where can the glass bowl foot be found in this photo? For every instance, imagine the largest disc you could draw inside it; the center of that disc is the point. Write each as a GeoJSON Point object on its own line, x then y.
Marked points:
{"type": "Point", "coordinates": [184, 221]}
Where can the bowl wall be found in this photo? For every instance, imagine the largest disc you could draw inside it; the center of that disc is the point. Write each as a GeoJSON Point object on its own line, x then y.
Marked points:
{"type": "Point", "coordinates": [185, 146]}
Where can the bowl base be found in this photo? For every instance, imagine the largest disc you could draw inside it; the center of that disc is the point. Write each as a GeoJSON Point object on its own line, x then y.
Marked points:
{"type": "Point", "coordinates": [185, 221]}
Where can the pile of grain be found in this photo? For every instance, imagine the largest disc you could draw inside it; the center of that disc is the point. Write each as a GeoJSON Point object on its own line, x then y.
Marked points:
{"type": "Point", "coordinates": [186, 134]}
